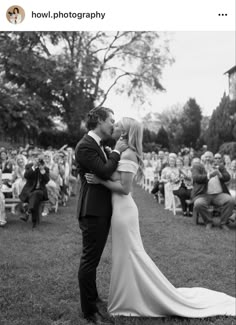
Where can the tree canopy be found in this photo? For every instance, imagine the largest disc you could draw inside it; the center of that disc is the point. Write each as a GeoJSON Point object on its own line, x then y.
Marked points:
{"type": "Point", "coordinates": [222, 125]}
{"type": "Point", "coordinates": [60, 74]}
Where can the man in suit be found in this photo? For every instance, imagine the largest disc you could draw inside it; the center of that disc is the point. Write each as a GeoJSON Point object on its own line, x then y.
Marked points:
{"type": "Point", "coordinates": [34, 191]}
{"type": "Point", "coordinates": [209, 188]}
{"type": "Point", "coordinates": [94, 208]}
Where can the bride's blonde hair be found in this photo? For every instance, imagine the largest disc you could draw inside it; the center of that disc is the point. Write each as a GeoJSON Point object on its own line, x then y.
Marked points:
{"type": "Point", "coordinates": [134, 131]}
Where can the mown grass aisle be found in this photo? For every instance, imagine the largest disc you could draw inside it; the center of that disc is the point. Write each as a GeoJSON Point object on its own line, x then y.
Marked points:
{"type": "Point", "coordinates": [38, 269]}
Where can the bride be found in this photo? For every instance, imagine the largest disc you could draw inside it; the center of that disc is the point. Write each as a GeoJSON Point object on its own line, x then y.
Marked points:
{"type": "Point", "coordinates": [137, 287]}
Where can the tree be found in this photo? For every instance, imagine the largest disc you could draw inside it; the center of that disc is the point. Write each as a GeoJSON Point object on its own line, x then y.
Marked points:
{"type": "Point", "coordinates": [191, 123]}
{"type": "Point", "coordinates": [162, 138]}
{"type": "Point", "coordinates": [24, 112]}
{"type": "Point", "coordinates": [222, 124]}
{"type": "Point", "coordinates": [63, 71]}
{"type": "Point", "coordinates": [171, 121]}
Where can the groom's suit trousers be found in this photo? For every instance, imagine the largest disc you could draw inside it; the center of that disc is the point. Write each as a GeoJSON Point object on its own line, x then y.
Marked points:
{"type": "Point", "coordinates": [95, 230]}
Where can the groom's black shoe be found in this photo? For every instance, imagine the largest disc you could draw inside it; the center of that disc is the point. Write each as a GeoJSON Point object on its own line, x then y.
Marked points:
{"type": "Point", "coordinates": [99, 319]}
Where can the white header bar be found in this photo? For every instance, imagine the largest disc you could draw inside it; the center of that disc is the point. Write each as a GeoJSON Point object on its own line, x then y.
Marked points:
{"type": "Point", "coordinates": [108, 15]}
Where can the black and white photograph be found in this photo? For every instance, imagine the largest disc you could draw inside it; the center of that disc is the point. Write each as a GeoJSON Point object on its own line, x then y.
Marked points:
{"type": "Point", "coordinates": [117, 177]}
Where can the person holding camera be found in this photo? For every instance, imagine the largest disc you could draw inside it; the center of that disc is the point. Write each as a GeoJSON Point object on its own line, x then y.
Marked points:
{"type": "Point", "coordinates": [34, 191]}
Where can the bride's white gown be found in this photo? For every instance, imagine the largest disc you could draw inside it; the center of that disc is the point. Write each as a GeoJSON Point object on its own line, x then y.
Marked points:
{"type": "Point", "coordinates": [138, 288]}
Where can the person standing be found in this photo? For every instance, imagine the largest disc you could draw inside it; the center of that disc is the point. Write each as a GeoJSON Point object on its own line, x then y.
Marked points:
{"type": "Point", "coordinates": [94, 207]}
{"type": "Point", "coordinates": [138, 288]}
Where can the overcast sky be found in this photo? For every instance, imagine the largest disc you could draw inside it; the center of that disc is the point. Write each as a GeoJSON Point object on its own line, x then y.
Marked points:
{"type": "Point", "coordinates": [201, 58]}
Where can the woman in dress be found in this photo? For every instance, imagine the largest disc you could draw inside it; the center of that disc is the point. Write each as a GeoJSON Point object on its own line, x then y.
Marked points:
{"type": "Point", "coordinates": [227, 162]}
{"type": "Point", "coordinates": [2, 204]}
{"type": "Point", "coordinates": [18, 180]}
{"type": "Point", "coordinates": [232, 185]}
{"type": "Point", "coordinates": [5, 164]}
{"type": "Point", "coordinates": [232, 182]}
{"type": "Point", "coordinates": [138, 288]}
{"type": "Point", "coordinates": [53, 186]}
{"type": "Point", "coordinates": [171, 179]}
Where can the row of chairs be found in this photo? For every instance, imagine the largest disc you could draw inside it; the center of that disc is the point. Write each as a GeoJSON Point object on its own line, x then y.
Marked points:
{"type": "Point", "coordinates": [171, 202]}
{"type": "Point", "coordinates": [11, 202]}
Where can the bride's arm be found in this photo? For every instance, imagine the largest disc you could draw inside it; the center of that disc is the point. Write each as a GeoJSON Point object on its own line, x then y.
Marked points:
{"type": "Point", "coordinates": [123, 186]}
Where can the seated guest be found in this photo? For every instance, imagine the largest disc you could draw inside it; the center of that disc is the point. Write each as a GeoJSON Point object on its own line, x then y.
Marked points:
{"type": "Point", "coordinates": [34, 191]}
{"type": "Point", "coordinates": [185, 186]}
{"type": "Point", "coordinates": [232, 182]}
{"type": "Point", "coordinates": [227, 162]}
{"type": "Point", "coordinates": [208, 161]}
{"type": "Point", "coordinates": [170, 173]}
{"type": "Point", "coordinates": [53, 186]}
{"type": "Point", "coordinates": [209, 189]}
{"type": "Point", "coordinates": [59, 159]}
{"type": "Point", "coordinates": [66, 178]}
{"type": "Point", "coordinates": [18, 180]}
{"type": "Point", "coordinates": [160, 165]}
{"type": "Point", "coordinates": [2, 204]}
{"type": "Point", "coordinates": [232, 186]}
{"type": "Point", "coordinates": [5, 163]}
{"type": "Point", "coordinates": [218, 159]}
{"type": "Point", "coordinates": [171, 180]}
{"type": "Point", "coordinates": [72, 178]}
{"type": "Point", "coordinates": [12, 158]}
{"type": "Point", "coordinates": [202, 159]}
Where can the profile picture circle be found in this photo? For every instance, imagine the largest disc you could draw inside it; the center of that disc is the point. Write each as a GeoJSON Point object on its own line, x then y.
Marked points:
{"type": "Point", "coordinates": [15, 14]}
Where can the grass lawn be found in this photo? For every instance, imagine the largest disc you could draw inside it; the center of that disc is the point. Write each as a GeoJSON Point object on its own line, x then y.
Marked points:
{"type": "Point", "coordinates": [38, 269]}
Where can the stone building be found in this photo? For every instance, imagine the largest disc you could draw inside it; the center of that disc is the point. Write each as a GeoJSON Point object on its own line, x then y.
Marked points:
{"type": "Point", "coordinates": [232, 82]}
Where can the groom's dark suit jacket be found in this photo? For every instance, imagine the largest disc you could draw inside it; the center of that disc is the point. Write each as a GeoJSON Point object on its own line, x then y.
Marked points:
{"type": "Point", "coordinates": [94, 200]}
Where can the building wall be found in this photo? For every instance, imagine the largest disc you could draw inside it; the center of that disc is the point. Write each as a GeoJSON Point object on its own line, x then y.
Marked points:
{"type": "Point", "coordinates": [232, 85]}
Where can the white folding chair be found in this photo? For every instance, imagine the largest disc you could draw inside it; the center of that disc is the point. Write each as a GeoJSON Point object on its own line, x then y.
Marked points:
{"type": "Point", "coordinates": [7, 190]}
{"type": "Point", "coordinates": [171, 201]}
{"type": "Point", "coordinates": [149, 179]}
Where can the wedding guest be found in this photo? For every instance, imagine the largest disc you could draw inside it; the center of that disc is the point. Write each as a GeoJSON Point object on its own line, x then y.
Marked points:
{"type": "Point", "coordinates": [185, 186]}
{"type": "Point", "coordinates": [2, 204]}
{"type": "Point", "coordinates": [171, 180]}
{"type": "Point", "coordinates": [52, 186]}
{"type": "Point", "coordinates": [227, 162]}
{"type": "Point", "coordinates": [209, 188]}
{"type": "Point", "coordinates": [218, 159]}
{"type": "Point", "coordinates": [232, 182]}
{"type": "Point", "coordinates": [18, 180]}
{"type": "Point", "coordinates": [35, 191]}
{"type": "Point", "coordinates": [160, 165]}
{"type": "Point", "coordinates": [5, 163]}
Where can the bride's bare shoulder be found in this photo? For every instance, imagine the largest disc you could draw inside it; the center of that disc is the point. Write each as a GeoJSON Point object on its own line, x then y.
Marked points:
{"type": "Point", "coordinates": [129, 154]}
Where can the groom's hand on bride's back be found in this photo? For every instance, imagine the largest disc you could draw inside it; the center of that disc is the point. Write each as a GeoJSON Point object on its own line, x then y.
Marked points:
{"type": "Point", "coordinates": [121, 145]}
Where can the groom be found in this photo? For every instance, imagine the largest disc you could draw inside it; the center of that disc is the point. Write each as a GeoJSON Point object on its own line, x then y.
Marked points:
{"type": "Point", "coordinates": [94, 208]}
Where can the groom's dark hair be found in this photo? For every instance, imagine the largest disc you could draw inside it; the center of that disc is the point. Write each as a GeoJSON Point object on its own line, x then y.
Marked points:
{"type": "Point", "coordinates": [94, 114]}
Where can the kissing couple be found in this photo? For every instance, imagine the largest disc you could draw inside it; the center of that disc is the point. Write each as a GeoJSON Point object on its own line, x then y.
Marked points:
{"type": "Point", "coordinates": [137, 286]}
